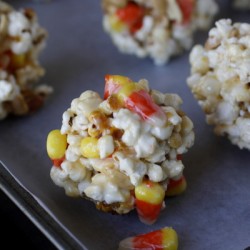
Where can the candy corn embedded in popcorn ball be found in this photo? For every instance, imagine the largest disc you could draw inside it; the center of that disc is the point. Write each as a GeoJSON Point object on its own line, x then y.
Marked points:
{"type": "Point", "coordinates": [158, 29]}
{"type": "Point", "coordinates": [122, 152]}
{"type": "Point", "coordinates": [21, 40]}
{"type": "Point", "coordinates": [220, 78]}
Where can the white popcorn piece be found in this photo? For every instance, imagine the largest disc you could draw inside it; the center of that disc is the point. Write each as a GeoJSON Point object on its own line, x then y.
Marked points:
{"type": "Point", "coordinates": [76, 172]}
{"type": "Point", "coordinates": [155, 173]}
{"type": "Point", "coordinates": [102, 189]}
{"type": "Point", "coordinates": [61, 179]}
{"type": "Point", "coordinates": [106, 146]}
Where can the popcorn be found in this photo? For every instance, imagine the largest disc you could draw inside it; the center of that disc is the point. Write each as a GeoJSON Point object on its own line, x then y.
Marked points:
{"type": "Point", "coordinates": [158, 29]}
{"type": "Point", "coordinates": [220, 82]}
{"type": "Point", "coordinates": [21, 41]}
{"type": "Point", "coordinates": [106, 146]}
{"type": "Point", "coordinates": [116, 144]}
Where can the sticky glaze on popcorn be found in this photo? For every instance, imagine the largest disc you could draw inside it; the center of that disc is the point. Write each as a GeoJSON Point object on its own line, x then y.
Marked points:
{"type": "Point", "coordinates": [158, 29]}
{"type": "Point", "coordinates": [220, 80]}
{"type": "Point", "coordinates": [21, 40]}
{"type": "Point", "coordinates": [124, 150]}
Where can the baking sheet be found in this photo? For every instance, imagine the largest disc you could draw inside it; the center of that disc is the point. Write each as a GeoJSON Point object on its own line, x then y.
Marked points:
{"type": "Point", "coordinates": [214, 213]}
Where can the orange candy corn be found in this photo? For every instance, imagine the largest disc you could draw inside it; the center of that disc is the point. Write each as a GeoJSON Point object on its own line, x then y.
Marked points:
{"type": "Point", "coordinates": [132, 14]}
{"type": "Point", "coordinates": [176, 187]}
{"type": "Point", "coordinates": [163, 239]}
{"type": "Point", "coordinates": [149, 200]}
{"type": "Point", "coordinates": [133, 97]}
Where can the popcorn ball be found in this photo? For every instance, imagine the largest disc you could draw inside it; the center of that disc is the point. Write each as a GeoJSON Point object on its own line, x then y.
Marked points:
{"type": "Point", "coordinates": [21, 40]}
{"type": "Point", "coordinates": [220, 80]}
{"type": "Point", "coordinates": [158, 29]}
{"type": "Point", "coordinates": [242, 4]}
{"type": "Point", "coordinates": [124, 151]}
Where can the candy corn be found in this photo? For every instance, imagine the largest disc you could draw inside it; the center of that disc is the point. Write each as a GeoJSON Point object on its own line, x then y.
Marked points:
{"type": "Point", "coordinates": [187, 9]}
{"type": "Point", "coordinates": [56, 147]}
{"type": "Point", "coordinates": [149, 200]}
{"type": "Point", "coordinates": [131, 15]}
{"type": "Point", "coordinates": [176, 187]}
{"type": "Point", "coordinates": [133, 97]}
{"type": "Point", "coordinates": [163, 239]}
